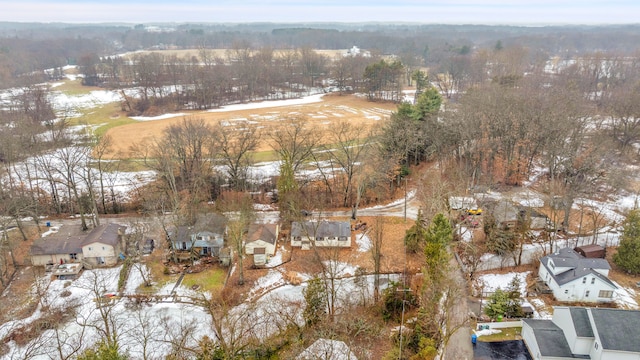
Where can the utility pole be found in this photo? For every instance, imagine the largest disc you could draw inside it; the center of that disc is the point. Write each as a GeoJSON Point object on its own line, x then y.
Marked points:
{"type": "Point", "coordinates": [405, 199]}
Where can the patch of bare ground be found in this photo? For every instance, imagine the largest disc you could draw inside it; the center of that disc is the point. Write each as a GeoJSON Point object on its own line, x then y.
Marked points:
{"type": "Point", "coordinates": [620, 276]}
{"type": "Point", "coordinates": [297, 262]}
{"type": "Point", "coordinates": [17, 299]}
{"type": "Point", "coordinates": [322, 116]}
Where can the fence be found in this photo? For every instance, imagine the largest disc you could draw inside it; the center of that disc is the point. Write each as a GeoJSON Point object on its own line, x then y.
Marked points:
{"type": "Point", "coordinates": [501, 324]}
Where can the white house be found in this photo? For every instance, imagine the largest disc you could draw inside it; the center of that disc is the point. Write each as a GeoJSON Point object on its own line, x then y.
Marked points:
{"type": "Point", "coordinates": [584, 333]}
{"type": "Point", "coordinates": [573, 277]}
{"type": "Point", "coordinates": [101, 246]}
{"type": "Point", "coordinates": [261, 242]}
{"type": "Point", "coordinates": [321, 234]}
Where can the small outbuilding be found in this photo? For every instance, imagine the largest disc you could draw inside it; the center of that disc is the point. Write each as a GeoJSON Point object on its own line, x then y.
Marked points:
{"type": "Point", "coordinates": [593, 251]}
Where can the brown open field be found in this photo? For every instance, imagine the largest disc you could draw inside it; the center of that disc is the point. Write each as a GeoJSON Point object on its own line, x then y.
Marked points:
{"type": "Point", "coordinates": [188, 53]}
{"type": "Point", "coordinates": [322, 116]}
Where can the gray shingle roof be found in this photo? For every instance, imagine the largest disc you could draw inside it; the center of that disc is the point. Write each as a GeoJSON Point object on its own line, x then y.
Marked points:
{"type": "Point", "coordinates": [322, 229]}
{"type": "Point", "coordinates": [581, 322]}
{"type": "Point", "coordinates": [264, 232]}
{"type": "Point", "coordinates": [578, 265]}
{"type": "Point", "coordinates": [617, 329]}
{"type": "Point", "coordinates": [66, 244]}
{"type": "Point", "coordinates": [105, 234]}
{"type": "Point", "coordinates": [550, 338]}
{"type": "Point", "coordinates": [57, 244]}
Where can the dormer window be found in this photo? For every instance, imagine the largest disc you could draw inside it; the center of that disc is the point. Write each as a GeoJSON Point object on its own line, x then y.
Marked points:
{"type": "Point", "coordinates": [553, 266]}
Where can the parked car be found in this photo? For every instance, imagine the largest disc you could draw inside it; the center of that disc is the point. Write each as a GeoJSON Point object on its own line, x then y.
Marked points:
{"type": "Point", "coordinates": [474, 211]}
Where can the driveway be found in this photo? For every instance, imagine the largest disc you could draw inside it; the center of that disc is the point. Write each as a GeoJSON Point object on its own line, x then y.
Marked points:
{"type": "Point", "coordinates": [501, 350]}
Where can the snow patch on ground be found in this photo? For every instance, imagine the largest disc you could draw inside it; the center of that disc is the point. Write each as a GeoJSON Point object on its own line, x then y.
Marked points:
{"type": "Point", "coordinates": [625, 297]}
{"type": "Point", "coordinates": [494, 281]}
{"type": "Point", "coordinates": [487, 332]}
{"type": "Point", "coordinates": [267, 104]}
{"type": "Point", "coordinates": [363, 241]}
{"type": "Point", "coordinates": [159, 117]}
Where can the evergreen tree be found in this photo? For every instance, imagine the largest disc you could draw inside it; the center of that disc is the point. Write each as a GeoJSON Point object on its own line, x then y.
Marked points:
{"type": "Point", "coordinates": [315, 296]}
{"type": "Point", "coordinates": [416, 236]}
{"type": "Point", "coordinates": [437, 237]}
{"type": "Point", "coordinates": [628, 256]}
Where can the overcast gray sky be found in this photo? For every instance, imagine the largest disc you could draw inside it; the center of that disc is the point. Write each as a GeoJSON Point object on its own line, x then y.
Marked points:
{"type": "Point", "coordinates": [541, 12]}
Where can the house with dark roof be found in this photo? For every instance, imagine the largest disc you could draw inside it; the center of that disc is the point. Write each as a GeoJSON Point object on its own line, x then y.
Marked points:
{"type": "Point", "coordinates": [100, 247]}
{"type": "Point", "coordinates": [584, 333]}
{"type": "Point", "coordinates": [321, 233]}
{"type": "Point", "coordinates": [204, 238]}
{"type": "Point", "coordinates": [261, 242]}
{"type": "Point", "coordinates": [572, 277]}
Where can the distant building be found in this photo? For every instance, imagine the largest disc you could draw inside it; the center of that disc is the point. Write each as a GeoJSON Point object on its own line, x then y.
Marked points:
{"type": "Point", "coordinates": [572, 277]}
{"type": "Point", "coordinates": [356, 51]}
{"type": "Point", "coordinates": [308, 234]}
{"type": "Point", "coordinates": [584, 333]}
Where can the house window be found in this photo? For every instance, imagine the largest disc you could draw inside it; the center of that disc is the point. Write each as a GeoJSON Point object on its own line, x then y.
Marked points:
{"type": "Point", "coordinates": [584, 280]}
{"type": "Point", "coordinates": [342, 238]}
{"type": "Point", "coordinates": [103, 248]}
{"type": "Point", "coordinates": [331, 238]}
{"type": "Point", "coordinates": [566, 291]}
{"type": "Point", "coordinates": [73, 256]}
{"type": "Point", "coordinates": [586, 293]}
{"type": "Point", "coordinates": [593, 281]}
{"type": "Point", "coordinates": [89, 248]}
{"type": "Point", "coordinates": [298, 238]}
{"type": "Point", "coordinates": [605, 294]}
{"type": "Point", "coordinates": [596, 345]}
{"type": "Point", "coordinates": [318, 238]}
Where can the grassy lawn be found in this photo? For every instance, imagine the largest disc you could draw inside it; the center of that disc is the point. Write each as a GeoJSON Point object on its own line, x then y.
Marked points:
{"type": "Point", "coordinates": [208, 280]}
{"type": "Point", "coordinates": [75, 87]}
{"type": "Point", "coordinates": [211, 279]}
{"type": "Point", "coordinates": [512, 333]}
{"type": "Point", "coordinates": [264, 156]}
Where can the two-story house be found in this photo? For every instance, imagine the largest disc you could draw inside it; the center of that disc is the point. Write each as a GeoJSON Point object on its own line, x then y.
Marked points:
{"type": "Point", "coordinates": [323, 233]}
{"type": "Point", "coordinates": [204, 238]}
{"type": "Point", "coordinates": [572, 277]}
{"type": "Point", "coordinates": [584, 333]}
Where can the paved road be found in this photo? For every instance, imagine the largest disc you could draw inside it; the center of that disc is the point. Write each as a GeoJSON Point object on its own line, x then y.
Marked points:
{"type": "Point", "coordinates": [459, 346]}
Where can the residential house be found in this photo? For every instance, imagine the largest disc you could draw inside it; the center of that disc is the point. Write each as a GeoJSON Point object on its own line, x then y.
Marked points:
{"type": "Point", "coordinates": [102, 246]}
{"type": "Point", "coordinates": [572, 277]}
{"type": "Point", "coordinates": [506, 214]}
{"type": "Point", "coordinates": [584, 333]}
{"type": "Point", "coordinates": [205, 238]}
{"type": "Point", "coordinates": [321, 234]}
{"type": "Point", "coordinates": [261, 242]}
{"type": "Point", "coordinates": [325, 349]}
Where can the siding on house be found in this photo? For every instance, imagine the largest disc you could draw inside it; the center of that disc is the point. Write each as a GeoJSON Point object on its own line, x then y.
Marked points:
{"type": "Point", "coordinates": [572, 277]}
{"type": "Point", "coordinates": [321, 234]}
